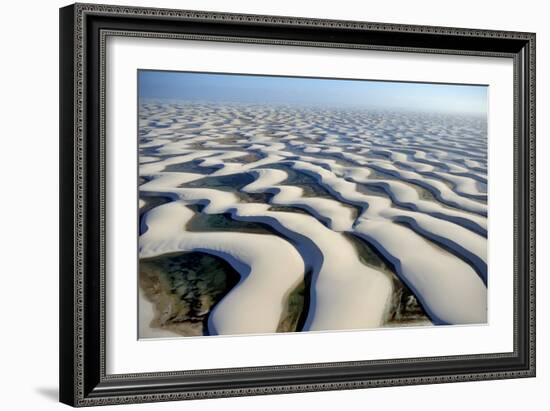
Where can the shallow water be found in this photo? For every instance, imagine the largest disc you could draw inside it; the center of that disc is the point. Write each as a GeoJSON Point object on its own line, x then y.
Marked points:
{"type": "Point", "coordinates": [184, 288]}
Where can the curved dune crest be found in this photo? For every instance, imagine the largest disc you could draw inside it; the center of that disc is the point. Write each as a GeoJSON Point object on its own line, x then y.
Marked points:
{"type": "Point", "coordinates": [450, 289]}
{"type": "Point", "coordinates": [255, 305]}
{"type": "Point", "coordinates": [438, 188]}
{"type": "Point", "coordinates": [345, 293]}
{"type": "Point", "coordinates": [377, 208]}
{"type": "Point", "coordinates": [338, 217]}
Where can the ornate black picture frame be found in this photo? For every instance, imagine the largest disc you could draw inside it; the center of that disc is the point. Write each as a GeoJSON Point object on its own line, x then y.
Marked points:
{"type": "Point", "coordinates": [83, 31]}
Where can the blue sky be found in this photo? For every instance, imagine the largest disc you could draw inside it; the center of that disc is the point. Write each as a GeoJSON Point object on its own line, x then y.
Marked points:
{"type": "Point", "coordinates": [207, 87]}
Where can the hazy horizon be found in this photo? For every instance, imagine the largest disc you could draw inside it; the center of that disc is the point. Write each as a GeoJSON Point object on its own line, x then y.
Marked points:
{"type": "Point", "coordinates": [318, 92]}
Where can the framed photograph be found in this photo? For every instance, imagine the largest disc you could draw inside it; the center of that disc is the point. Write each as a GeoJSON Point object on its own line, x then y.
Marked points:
{"type": "Point", "coordinates": [261, 204]}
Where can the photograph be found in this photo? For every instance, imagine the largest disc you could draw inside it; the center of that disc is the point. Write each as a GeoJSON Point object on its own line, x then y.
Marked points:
{"type": "Point", "coordinates": [278, 204]}
{"type": "Point", "coordinates": [255, 203]}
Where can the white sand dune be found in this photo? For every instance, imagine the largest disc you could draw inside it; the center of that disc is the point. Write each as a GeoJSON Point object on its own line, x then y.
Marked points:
{"type": "Point", "coordinates": [255, 305]}
{"type": "Point", "coordinates": [346, 293]}
{"type": "Point", "coordinates": [461, 241]}
{"type": "Point", "coordinates": [413, 188]}
{"type": "Point", "coordinates": [471, 246]}
{"type": "Point", "coordinates": [440, 189]}
{"type": "Point", "coordinates": [338, 216]}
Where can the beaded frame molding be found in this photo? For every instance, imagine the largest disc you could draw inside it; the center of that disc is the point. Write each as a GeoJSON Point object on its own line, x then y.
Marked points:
{"type": "Point", "coordinates": [83, 32]}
